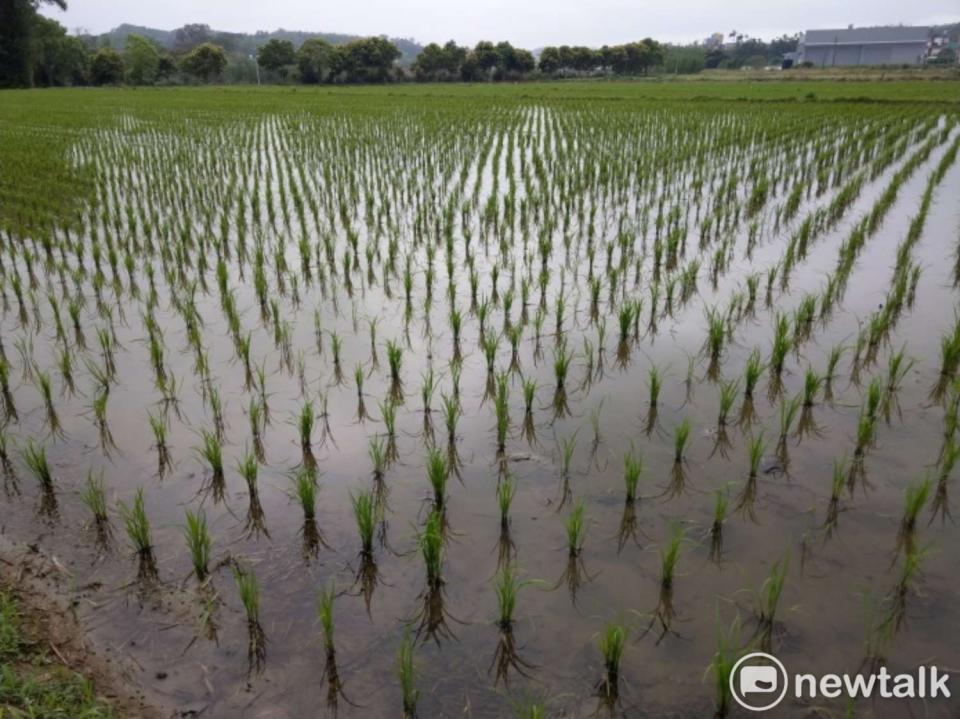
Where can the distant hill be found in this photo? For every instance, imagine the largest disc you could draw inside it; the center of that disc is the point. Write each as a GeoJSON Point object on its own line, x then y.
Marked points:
{"type": "Point", "coordinates": [188, 36]}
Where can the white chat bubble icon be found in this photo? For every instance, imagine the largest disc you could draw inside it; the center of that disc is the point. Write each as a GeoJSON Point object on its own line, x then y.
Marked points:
{"type": "Point", "coordinates": [758, 680]}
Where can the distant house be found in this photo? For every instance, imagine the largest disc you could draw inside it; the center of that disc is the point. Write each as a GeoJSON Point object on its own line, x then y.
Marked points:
{"type": "Point", "coordinates": [899, 45]}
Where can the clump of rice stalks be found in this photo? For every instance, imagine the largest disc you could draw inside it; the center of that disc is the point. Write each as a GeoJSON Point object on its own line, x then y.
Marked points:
{"type": "Point", "coordinates": [669, 557]}
{"type": "Point", "coordinates": [305, 423]}
{"type": "Point", "coordinates": [359, 374]}
{"type": "Point", "coordinates": [407, 674]}
{"type": "Point", "coordinates": [767, 601]}
{"type": "Point", "coordinates": [562, 358]}
{"type": "Point", "coordinates": [305, 491]}
{"type": "Point", "coordinates": [811, 386]}
{"type": "Point", "coordinates": [787, 413]}
{"type": "Point", "coordinates": [158, 425]}
{"type": "Point", "coordinates": [725, 657]}
{"type": "Point", "coordinates": [748, 495]}
{"type": "Point", "coordinates": [915, 498]}
{"type": "Point", "coordinates": [432, 617]}
{"type": "Point", "coordinates": [255, 414]}
{"type": "Point", "coordinates": [94, 498]}
{"type": "Point", "coordinates": [199, 544]}
{"type": "Point", "coordinates": [248, 468]}
{"type": "Point", "coordinates": [437, 472]}
{"type": "Point", "coordinates": [529, 431]}
{"type": "Point", "coordinates": [896, 600]}
{"type": "Point", "coordinates": [45, 386]}
{"type": "Point", "coordinates": [249, 590]}
{"type": "Point", "coordinates": [678, 475]}
{"type": "Point", "coordinates": [365, 515]}
{"type": "Point", "coordinates": [720, 503]}
{"type": "Point", "coordinates": [625, 320]}
{"type": "Point", "coordinates": [211, 451]}
{"type": "Point", "coordinates": [632, 467]}
{"type": "Point", "coordinates": [716, 334]}
{"type": "Point", "coordinates": [9, 408]}
{"type": "Point", "coordinates": [137, 525]}
{"type": "Point", "coordinates": [35, 457]}
{"type": "Point", "coordinates": [507, 588]}
{"type": "Point", "coordinates": [948, 458]}
{"type": "Point", "coordinates": [612, 643]}
{"type": "Point", "coordinates": [506, 491]}
{"type": "Point", "coordinates": [395, 360]}
{"type": "Point", "coordinates": [897, 371]}
{"type": "Point", "coordinates": [728, 395]}
{"type": "Point", "coordinates": [681, 437]}
{"type": "Point", "coordinates": [332, 673]}
{"type": "Point", "coordinates": [574, 573]}
{"type": "Point", "coordinates": [837, 483]}
{"type": "Point", "coordinates": [501, 404]}
{"type": "Point", "coordinates": [833, 359]}
{"type": "Point", "coordinates": [780, 348]}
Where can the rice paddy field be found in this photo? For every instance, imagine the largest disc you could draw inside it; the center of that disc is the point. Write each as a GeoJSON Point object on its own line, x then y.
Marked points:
{"type": "Point", "coordinates": [538, 400]}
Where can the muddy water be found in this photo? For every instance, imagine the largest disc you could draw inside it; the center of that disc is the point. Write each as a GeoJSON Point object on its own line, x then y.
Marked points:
{"type": "Point", "coordinates": [821, 621]}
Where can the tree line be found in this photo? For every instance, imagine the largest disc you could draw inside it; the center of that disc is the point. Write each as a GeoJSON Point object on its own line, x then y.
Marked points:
{"type": "Point", "coordinates": [37, 51]}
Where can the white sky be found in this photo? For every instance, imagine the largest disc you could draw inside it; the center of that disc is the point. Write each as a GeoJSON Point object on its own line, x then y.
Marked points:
{"type": "Point", "coordinates": [526, 23]}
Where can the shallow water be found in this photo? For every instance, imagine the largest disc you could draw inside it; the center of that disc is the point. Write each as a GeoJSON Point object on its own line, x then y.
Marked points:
{"type": "Point", "coordinates": [821, 622]}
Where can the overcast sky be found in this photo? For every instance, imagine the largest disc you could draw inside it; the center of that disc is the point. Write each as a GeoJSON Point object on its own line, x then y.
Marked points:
{"type": "Point", "coordinates": [527, 23]}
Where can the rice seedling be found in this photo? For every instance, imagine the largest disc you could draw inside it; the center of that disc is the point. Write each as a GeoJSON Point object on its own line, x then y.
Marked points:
{"type": "Point", "coordinates": [720, 504]}
{"type": "Point", "coordinates": [211, 452]}
{"type": "Point", "coordinates": [725, 657]}
{"type": "Point", "coordinates": [94, 498]}
{"type": "Point", "coordinates": [46, 391]}
{"type": "Point", "coordinates": [395, 360]}
{"type": "Point", "coordinates": [137, 526]}
{"type": "Point", "coordinates": [248, 468]}
{"type": "Point", "coordinates": [948, 458]}
{"type": "Point", "coordinates": [158, 426]}
{"type": "Point", "coordinates": [670, 555]}
{"type": "Point", "coordinates": [681, 438]}
{"type": "Point", "coordinates": [507, 587]}
{"type": "Point", "coordinates": [364, 512]}
{"type": "Point", "coordinates": [248, 588]}
{"type": "Point", "coordinates": [407, 675]}
{"type": "Point", "coordinates": [768, 600]}
{"type": "Point", "coordinates": [432, 617]}
{"type": "Point", "coordinates": [837, 483]}
{"type": "Point", "coordinates": [35, 457]}
{"type": "Point", "coordinates": [756, 449]}
{"type": "Point", "coordinates": [612, 643]}
{"type": "Point", "coordinates": [915, 499]}
{"type": "Point", "coordinates": [199, 543]}
{"type": "Point", "coordinates": [632, 467]}
{"type": "Point", "coordinates": [502, 412]}
{"type": "Point", "coordinates": [654, 382]}
{"type": "Point", "coordinates": [529, 388]}
{"type": "Point", "coordinates": [437, 473]}
{"type": "Point", "coordinates": [781, 345]}
{"type": "Point", "coordinates": [305, 423]}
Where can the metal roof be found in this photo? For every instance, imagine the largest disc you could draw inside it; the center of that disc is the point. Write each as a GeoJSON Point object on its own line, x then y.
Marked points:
{"type": "Point", "coordinates": [867, 35]}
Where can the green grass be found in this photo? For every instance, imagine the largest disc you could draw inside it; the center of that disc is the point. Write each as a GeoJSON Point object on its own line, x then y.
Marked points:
{"type": "Point", "coordinates": [33, 682]}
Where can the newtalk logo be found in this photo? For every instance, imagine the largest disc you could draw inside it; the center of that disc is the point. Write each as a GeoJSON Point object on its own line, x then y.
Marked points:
{"type": "Point", "coordinates": [760, 682]}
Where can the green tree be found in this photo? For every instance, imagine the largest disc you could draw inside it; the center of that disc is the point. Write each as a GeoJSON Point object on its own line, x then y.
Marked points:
{"type": "Point", "coordinates": [18, 26]}
{"type": "Point", "coordinates": [316, 58]}
{"type": "Point", "coordinates": [276, 56]}
{"type": "Point", "coordinates": [57, 59]}
{"type": "Point", "coordinates": [206, 61]}
{"type": "Point", "coordinates": [106, 67]}
{"type": "Point", "coordinates": [550, 60]}
{"type": "Point", "coordinates": [142, 59]}
{"type": "Point", "coordinates": [369, 60]}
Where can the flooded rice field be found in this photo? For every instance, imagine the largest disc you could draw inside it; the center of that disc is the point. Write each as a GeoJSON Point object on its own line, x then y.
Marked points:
{"type": "Point", "coordinates": [505, 406]}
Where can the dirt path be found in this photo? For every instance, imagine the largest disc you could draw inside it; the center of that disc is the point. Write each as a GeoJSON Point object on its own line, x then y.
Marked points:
{"type": "Point", "coordinates": [48, 594]}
